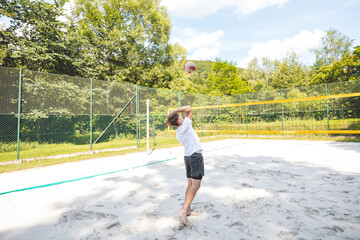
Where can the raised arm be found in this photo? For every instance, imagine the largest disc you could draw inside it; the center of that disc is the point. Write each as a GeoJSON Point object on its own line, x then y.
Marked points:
{"type": "Point", "coordinates": [185, 109]}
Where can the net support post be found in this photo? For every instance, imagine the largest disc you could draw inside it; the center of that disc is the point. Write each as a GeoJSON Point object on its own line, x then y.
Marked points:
{"type": "Point", "coordinates": [147, 127]}
{"type": "Point", "coordinates": [91, 112]}
{"type": "Point", "coordinates": [202, 111]}
{"type": "Point", "coordinates": [137, 117]}
{"type": "Point", "coordinates": [282, 111]}
{"type": "Point", "coordinates": [246, 116]}
{"type": "Point", "coordinates": [19, 117]}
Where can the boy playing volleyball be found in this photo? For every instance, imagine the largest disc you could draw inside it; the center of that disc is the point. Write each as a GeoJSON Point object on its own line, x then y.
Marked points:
{"type": "Point", "coordinates": [194, 163]}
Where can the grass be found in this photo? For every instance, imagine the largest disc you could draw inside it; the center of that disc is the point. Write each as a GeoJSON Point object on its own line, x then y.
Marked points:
{"type": "Point", "coordinates": [32, 150]}
{"type": "Point", "coordinates": [165, 142]}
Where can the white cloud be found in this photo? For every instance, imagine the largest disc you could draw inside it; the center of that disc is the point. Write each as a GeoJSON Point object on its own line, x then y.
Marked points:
{"type": "Point", "coordinates": [247, 7]}
{"type": "Point", "coordinates": [200, 45]}
{"type": "Point", "coordinates": [204, 53]}
{"type": "Point", "coordinates": [277, 49]}
{"type": "Point", "coordinates": [203, 8]}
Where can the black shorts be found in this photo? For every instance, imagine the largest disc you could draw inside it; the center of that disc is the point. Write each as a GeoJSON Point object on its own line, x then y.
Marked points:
{"type": "Point", "coordinates": [194, 166]}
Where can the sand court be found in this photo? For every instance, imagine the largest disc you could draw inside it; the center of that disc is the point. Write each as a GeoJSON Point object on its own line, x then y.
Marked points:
{"type": "Point", "coordinates": [252, 189]}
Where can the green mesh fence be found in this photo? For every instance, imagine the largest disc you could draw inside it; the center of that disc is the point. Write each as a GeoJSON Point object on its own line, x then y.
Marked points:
{"type": "Point", "coordinates": [9, 83]}
{"type": "Point", "coordinates": [54, 108]}
{"type": "Point", "coordinates": [109, 99]}
{"type": "Point", "coordinates": [62, 114]}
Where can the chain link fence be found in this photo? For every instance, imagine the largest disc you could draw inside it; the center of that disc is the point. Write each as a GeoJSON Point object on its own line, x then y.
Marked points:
{"type": "Point", "coordinates": [60, 114]}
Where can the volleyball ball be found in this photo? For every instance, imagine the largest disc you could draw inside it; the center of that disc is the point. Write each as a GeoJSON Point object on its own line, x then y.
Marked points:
{"type": "Point", "coordinates": [189, 67]}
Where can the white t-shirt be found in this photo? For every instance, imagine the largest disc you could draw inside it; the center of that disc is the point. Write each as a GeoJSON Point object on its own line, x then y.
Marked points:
{"type": "Point", "coordinates": [187, 136]}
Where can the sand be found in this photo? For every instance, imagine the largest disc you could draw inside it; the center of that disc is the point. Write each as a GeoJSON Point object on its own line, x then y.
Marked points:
{"type": "Point", "coordinates": [253, 189]}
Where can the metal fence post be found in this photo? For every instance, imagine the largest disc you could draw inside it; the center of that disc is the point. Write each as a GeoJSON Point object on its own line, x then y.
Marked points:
{"type": "Point", "coordinates": [327, 109]}
{"type": "Point", "coordinates": [220, 111]}
{"type": "Point", "coordinates": [19, 112]}
{"type": "Point", "coordinates": [179, 98]}
{"type": "Point", "coordinates": [154, 133]}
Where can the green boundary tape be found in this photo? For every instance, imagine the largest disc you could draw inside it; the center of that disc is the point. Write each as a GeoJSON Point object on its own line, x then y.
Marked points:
{"type": "Point", "coordinates": [102, 174]}
{"type": "Point", "coordinates": [83, 178]}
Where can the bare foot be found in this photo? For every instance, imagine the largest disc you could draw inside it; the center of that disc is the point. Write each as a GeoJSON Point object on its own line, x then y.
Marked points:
{"type": "Point", "coordinates": [182, 216]}
{"type": "Point", "coordinates": [191, 212]}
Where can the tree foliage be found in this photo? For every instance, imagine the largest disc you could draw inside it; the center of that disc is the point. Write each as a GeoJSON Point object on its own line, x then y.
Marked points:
{"type": "Point", "coordinates": [35, 39]}
{"type": "Point", "coordinates": [224, 79]}
{"type": "Point", "coordinates": [346, 69]}
{"type": "Point", "coordinates": [259, 72]}
{"type": "Point", "coordinates": [289, 73]}
{"type": "Point", "coordinates": [122, 39]}
{"type": "Point", "coordinates": [334, 46]}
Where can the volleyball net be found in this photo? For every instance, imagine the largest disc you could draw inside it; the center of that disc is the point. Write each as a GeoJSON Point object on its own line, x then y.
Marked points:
{"type": "Point", "coordinates": [331, 109]}
{"type": "Point", "coordinates": [291, 116]}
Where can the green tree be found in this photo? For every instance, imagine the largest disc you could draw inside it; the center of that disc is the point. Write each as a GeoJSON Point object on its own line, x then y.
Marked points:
{"type": "Point", "coordinates": [258, 73]}
{"type": "Point", "coordinates": [224, 79]}
{"type": "Point", "coordinates": [289, 73]}
{"type": "Point", "coordinates": [166, 75]}
{"type": "Point", "coordinates": [346, 69]}
{"type": "Point", "coordinates": [122, 38]}
{"type": "Point", "coordinates": [268, 67]}
{"type": "Point", "coordinates": [253, 72]}
{"type": "Point", "coordinates": [36, 38]}
{"type": "Point", "coordinates": [334, 46]}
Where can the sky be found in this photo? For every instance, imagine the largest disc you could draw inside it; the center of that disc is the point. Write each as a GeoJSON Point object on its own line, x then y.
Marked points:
{"type": "Point", "coordinates": [239, 30]}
